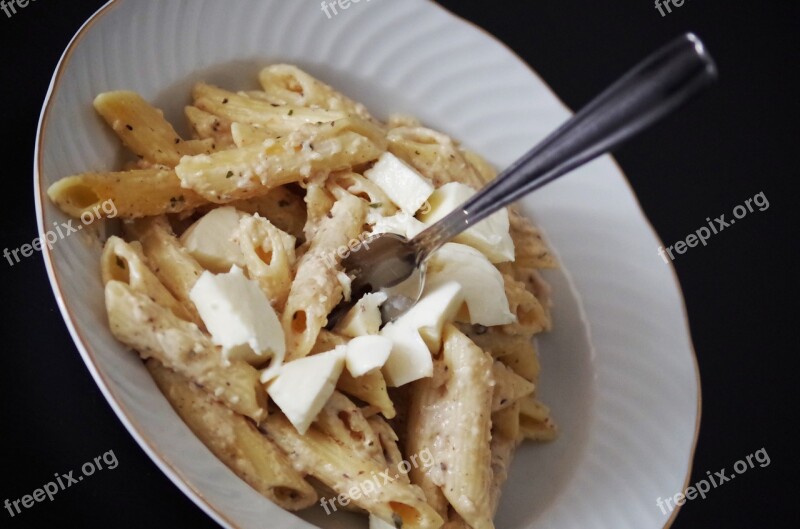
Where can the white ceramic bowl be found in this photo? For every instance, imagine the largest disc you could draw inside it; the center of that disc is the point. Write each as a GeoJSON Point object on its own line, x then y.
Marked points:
{"type": "Point", "coordinates": [627, 399]}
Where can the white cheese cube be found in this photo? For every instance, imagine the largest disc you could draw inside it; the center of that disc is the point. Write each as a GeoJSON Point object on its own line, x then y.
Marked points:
{"type": "Point", "coordinates": [400, 224]}
{"type": "Point", "coordinates": [304, 386]}
{"type": "Point", "coordinates": [410, 358]}
{"type": "Point", "coordinates": [402, 183]}
{"type": "Point", "coordinates": [438, 305]}
{"type": "Point", "coordinates": [210, 240]}
{"type": "Point", "coordinates": [366, 353]}
{"type": "Point", "coordinates": [365, 316]}
{"type": "Point", "coordinates": [482, 283]}
{"type": "Point", "coordinates": [239, 317]}
{"type": "Point", "coordinates": [491, 236]}
{"type": "Point", "coordinates": [418, 332]}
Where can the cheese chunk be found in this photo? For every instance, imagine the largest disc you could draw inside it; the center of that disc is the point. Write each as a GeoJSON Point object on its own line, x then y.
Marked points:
{"type": "Point", "coordinates": [304, 386]}
{"type": "Point", "coordinates": [400, 223]}
{"type": "Point", "coordinates": [482, 282]}
{"type": "Point", "coordinates": [491, 236]}
{"type": "Point", "coordinates": [438, 305]}
{"type": "Point", "coordinates": [366, 353]}
{"type": "Point", "coordinates": [239, 317]}
{"type": "Point", "coordinates": [410, 358]}
{"type": "Point", "coordinates": [365, 316]}
{"type": "Point", "coordinates": [402, 183]}
{"type": "Point", "coordinates": [418, 333]}
{"type": "Point", "coordinates": [210, 240]}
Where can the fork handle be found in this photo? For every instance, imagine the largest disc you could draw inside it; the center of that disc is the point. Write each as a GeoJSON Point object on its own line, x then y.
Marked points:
{"type": "Point", "coordinates": [653, 89]}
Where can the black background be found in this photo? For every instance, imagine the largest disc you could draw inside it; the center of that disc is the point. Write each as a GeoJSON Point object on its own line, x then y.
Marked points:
{"type": "Point", "coordinates": [732, 143]}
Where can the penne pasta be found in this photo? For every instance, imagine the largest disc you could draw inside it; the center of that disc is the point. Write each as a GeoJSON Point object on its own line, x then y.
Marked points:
{"type": "Point", "coordinates": [509, 387]}
{"type": "Point", "coordinates": [530, 248]}
{"type": "Point", "coordinates": [370, 388]}
{"type": "Point", "coordinates": [358, 185]}
{"type": "Point", "coordinates": [240, 108]}
{"type": "Point", "coordinates": [343, 421]}
{"type": "Point", "coordinates": [126, 263]}
{"type": "Point", "coordinates": [497, 344]}
{"type": "Point", "coordinates": [340, 469]}
{"type": "Point", "coordinates": [268, 256]}
{"type": "Point", "coordinates": [532, 316]}
{"type": "Point", "coordinates": [525, 363]}
{"type": "Point", "coordinates": [170, 261]}
{"type": "Point", "coordinates": [141, 127]}
{"type": "Point", "coordinates": [252, 171]}
{"type": "Point", "coordinates": [207, 126]}
{"type": "Point", "coordinates": [319, 202]}
{"type": "Point", "coordinates": [317, 286]}
{"type": "Point", "coordinates": [281, 206]}
{"type": "Point", "coordinates": [245, 135]}
{"type": "Point", "coordinates": [461, 390]}
{"type": "Point", "coordinates": [481, 166]}
{"type": "Point", "coordinates": [535, 422]}
{"type": "Point", "coordinates": [389, 445]}
{"type": "Point", "coordinates": [134, 194]}
{"type": "Point", "coordinates": [434, 155]}
{"type": "Point", "coordinates": [506, 436]}
{"type": "Point", "coordinates": [155, 332]}
{"type": "Point", "coordinates": [235, 441]}
{"type": "Point", "coordinates": [292, 86]}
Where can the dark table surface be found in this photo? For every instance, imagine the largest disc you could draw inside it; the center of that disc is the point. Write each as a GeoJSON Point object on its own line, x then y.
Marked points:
{"type": "Point", "coordinates": [731, 144]}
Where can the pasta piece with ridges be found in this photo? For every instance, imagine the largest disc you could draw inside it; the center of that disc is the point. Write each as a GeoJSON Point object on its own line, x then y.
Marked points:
{"type": "Point", "coordinates": [316, 289]}
{"type": "Point", "coordinates": [506, 437]}
{"type": "Point", "coordinates": [240, 108]}
{"type": "Point", "coordinates": [208, 126]}
{"type": "Point", "coordinates": [252, 171]}
{"type": "Point", "coordinates": [169, 260]}
{"type": "Point", "coordinates": [155, 332]}
{"type": "Point", "coordinates": [125, 262]}
{"type": "Point", "coordinates": [509, 387]}
{"type": "Point", "coordinates": [268, 256]}
{"type": "Point", "coordinates": [342, 470]}
{"type": "Point", "coordinates": [532, 316]}
{"type": "Point", "coordinates": [343, 421]}
{"type": "Point", "coordinates": [391, 451]}
{"type": "Point", "coordinates": [235, 441]}
{"type": "Point", "coordinates": [291, 85]}
{"type": "Point", "coordinates": [135, 194]}
{"type": "Point", "coordinates": [281, 206]}
{"type": "Point", "coordinates": [461, 391]}
{"type": "Point", "coordinates": [531, 249]}
{"type": "Point", "coordinates": [535, 421]}
{"type": "Point", "coordinates": [434, 154]}
{"type": "Point", "coordinates": [141, 127]}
